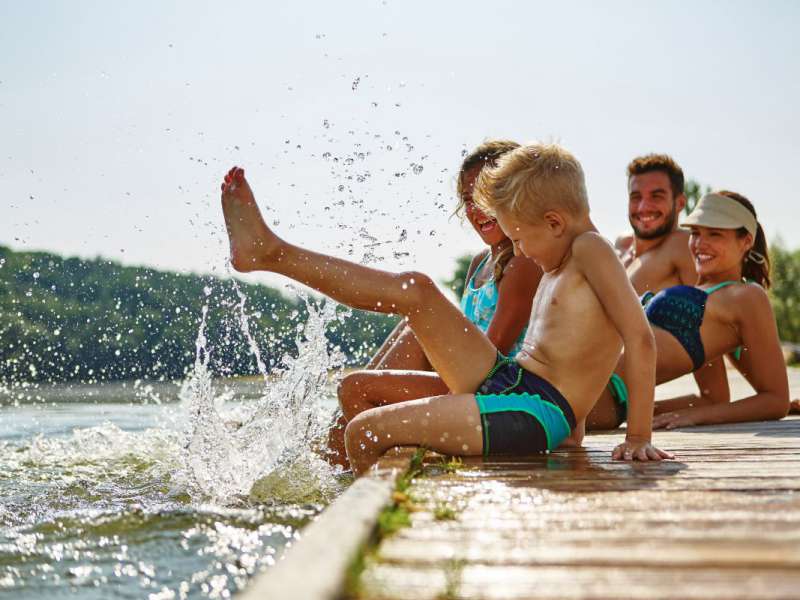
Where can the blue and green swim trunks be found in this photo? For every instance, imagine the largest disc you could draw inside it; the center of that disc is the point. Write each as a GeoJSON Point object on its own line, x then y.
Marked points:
{"type": "Point", "coordinates": [521, 413]}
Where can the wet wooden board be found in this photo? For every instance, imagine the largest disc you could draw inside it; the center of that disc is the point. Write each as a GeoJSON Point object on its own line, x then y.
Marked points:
{"type": "Point", "coordinates": [721, 521]}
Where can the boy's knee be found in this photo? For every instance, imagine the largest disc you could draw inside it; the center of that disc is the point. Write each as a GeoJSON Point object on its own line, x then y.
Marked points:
{"type": "Point", "coordinates": [418, 285]}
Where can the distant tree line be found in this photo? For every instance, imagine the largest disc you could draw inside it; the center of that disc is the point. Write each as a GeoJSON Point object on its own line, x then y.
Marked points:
{"type": "Point", "coordinates": [68, 319]}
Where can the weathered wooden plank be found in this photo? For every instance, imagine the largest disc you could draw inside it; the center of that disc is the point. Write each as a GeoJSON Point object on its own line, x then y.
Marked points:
{"type": "Point", "coordinates": [723, 520]}
{"type": "Point", "coordinates": [592, 583]}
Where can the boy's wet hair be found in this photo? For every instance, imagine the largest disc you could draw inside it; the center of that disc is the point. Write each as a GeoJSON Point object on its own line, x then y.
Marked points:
{"type": "Point", "coordinates": [485, 154]}
{"type": "Point", "coordinates": [532, 179]}
{"type": "Point", "coordinates": [658, 162]}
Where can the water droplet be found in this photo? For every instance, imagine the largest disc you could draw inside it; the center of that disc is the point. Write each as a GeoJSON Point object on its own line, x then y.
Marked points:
{"type": "Point", "coordinates": [355, 83]}
{"type": "Point", "coordinates": [416, 168]}
{"type": "Point", "coordinates": [404, 286]}
{"type": "Point", "coordinates": [207, 290]}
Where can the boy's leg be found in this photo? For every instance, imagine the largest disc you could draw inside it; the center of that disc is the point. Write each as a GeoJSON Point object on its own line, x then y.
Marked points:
{"type": "Point", "coordinates": [455, 347]}
{"type": "Point", "coordinates": [362, 390]}
{"type": "Point", "coordinates": [448, 424]}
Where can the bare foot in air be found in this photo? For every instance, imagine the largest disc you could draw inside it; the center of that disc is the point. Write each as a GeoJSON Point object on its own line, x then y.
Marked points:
{"type": "Point", "coordinates": [794, 407]}
{"type": "Point", "coordinates": [253, 244]}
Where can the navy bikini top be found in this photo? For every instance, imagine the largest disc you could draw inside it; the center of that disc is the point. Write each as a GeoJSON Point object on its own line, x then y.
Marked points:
{"type": "Point", "coordinates": [679, 310]}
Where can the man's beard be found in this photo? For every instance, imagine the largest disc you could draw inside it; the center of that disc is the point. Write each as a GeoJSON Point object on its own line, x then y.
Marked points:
{"type": "Point", "coordinates": [666, 228]}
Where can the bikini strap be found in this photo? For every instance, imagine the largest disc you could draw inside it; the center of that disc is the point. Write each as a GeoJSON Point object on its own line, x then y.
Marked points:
{"type": "Point", "coordinates": [478, 268]}
{"type": "Point", "coordinates": [719, 286]}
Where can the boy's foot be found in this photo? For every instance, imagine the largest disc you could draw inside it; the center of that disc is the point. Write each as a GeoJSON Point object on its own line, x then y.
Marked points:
{"type": "Point", "coordinates": [794, 407]}
{"type": "Point", "coordinates": [253, 244]}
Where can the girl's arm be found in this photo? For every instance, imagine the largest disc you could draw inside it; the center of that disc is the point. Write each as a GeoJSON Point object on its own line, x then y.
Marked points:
{"type": "Point", "coordinates": [514, 299]}
{"type": "Point", "coordinates": [765, 370]}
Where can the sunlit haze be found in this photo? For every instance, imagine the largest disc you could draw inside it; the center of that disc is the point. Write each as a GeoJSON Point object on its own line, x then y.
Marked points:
{"type": "Point", "coordinates": [118, 120]}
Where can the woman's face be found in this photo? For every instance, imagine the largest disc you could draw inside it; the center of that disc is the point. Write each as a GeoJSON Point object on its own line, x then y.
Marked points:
{"type": "Point", "coordinates": [717, 250]}
{"type": "Point", "coordinates": [486, 226]}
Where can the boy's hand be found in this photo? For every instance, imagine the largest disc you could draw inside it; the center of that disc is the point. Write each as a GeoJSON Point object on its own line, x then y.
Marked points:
{"type": "Point", "coordinates": [634, 450]}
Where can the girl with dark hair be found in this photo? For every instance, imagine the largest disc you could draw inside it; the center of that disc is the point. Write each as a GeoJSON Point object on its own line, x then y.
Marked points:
{"type": "Point", "coordinates": [497, 297]}
{"type": "Point", "coordinates": [726, 312]}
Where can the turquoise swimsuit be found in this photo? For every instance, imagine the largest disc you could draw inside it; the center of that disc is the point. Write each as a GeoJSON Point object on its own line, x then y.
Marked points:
{"type": "Point", "coordinates": [479, 304]}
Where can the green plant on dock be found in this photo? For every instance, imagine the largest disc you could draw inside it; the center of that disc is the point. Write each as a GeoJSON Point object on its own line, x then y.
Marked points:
{"type": "Point", "coordinates": [444, 512]}
{"type": "Point", "coordinates": [453, 574]}
{"type": "Point", "coordinates": [391, 519]}
{"type": "Point", "coordinates": [451, 464]}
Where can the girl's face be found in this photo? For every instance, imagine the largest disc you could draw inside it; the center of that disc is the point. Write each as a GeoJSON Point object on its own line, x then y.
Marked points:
{"type": "Point", "coordinates": [486, 226]}
{"type": "Point", "coordinates": [717, 251]}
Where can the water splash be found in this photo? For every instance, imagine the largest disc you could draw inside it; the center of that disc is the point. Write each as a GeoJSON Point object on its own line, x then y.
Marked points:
{"type": "Point", "coordinates": [269, 449]}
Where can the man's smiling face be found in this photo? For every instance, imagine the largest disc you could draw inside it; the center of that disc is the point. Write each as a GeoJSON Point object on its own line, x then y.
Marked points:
{"type": "Point", "coordinates": [652, 207]}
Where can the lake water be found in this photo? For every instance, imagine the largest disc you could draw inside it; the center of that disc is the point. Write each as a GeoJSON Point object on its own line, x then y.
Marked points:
{"type": "Point", "coordinates": [138, 490]}
{"type": "Point", "coordinates": [95, 500]}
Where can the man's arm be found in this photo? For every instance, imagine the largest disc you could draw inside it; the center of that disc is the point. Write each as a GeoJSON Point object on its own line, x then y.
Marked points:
{"type": "Point", "coordinates": [608, 279]}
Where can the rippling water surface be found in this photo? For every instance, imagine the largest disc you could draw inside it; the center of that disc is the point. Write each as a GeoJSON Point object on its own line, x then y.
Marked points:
{"type": "Point", "coordinates": [142, 490]}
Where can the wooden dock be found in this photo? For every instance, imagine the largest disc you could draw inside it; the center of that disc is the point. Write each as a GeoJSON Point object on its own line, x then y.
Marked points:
{"type": "Point", "coordinates": [720, 521]}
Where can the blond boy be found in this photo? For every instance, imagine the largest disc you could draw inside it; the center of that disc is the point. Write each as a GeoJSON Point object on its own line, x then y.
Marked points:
{"type": "Point", "coordinates": [583, 314]}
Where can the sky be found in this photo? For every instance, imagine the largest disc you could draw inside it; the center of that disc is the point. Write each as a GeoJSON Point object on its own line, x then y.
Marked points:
{"type": "Point", "coordinates": [118, 120]}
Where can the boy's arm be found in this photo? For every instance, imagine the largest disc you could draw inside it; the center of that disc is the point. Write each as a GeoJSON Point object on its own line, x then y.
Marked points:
{"type": "Point", "coordinates": [514, 299]}
{"type": "Point", "coordinates": [607, 277]}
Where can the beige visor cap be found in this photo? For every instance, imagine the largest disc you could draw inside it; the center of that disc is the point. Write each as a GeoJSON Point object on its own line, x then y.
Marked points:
{"type": "Point", "coordinates": [721, 212]}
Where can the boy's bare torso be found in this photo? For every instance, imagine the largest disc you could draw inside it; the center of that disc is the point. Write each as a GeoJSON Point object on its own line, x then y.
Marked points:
{"type": "Point", "coordinates": [571, 342]}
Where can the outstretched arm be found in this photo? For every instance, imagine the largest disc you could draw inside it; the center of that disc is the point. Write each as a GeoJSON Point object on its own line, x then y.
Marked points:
{"type": "Point", "coordinates": [609, 281]}
{"type": "Point", "coordinates": [712, 382]}
{"type": "Point", "coordinates": [514, 299]}
{"type": "Point", "coordinates": [762, 365]}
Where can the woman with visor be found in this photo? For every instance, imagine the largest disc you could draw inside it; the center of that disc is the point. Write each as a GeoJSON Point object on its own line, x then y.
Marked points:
{"type": "Point", "coordinates": [726, 312]}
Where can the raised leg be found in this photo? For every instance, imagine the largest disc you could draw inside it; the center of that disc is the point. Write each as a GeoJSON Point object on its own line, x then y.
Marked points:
{"type": "Point", "coordinates": [447, 424]}
{"type": "Point", "coordinates": [456, 348]}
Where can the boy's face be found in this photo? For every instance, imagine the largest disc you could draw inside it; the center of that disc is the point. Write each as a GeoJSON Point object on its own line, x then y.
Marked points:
{"type": "Point", "coordinates": [534, 240]}
{"type": "Point", "coordinates": [652, 209]}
